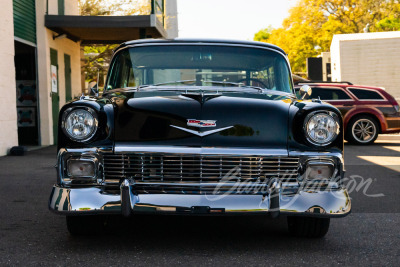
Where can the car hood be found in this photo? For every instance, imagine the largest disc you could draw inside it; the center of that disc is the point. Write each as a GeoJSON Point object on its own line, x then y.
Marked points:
{"type": "Point", "coordinates": [241, 120]}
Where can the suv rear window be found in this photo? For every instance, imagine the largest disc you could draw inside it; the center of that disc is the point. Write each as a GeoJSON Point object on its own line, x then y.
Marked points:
{"type": "Point", "coordinates": [365, 94]}
{"type": "Point", "coordinates": [329, 94]}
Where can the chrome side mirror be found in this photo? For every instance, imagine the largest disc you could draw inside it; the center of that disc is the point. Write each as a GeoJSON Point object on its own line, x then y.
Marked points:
{"type": "Point", "coordinates": [305, 91]}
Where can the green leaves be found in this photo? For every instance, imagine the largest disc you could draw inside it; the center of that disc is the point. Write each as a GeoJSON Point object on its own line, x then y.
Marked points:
{"type": "Point", "coordinates": [388, 24]}
{"type": "Point", "coordinates": [114, 8]}
{"type": "Point", "coordinates": [97, 57]}
{"type": "Point", "coordinates": [311, 24]}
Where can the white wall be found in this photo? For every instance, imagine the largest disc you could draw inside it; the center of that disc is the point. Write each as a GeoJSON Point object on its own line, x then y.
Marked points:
{"type": "Point", "coordinates": [45, 41]}
{"type": "Point", "coordinates": [70, 7]}
{"type": "Point", "coordinates": [335, 59]}
{"type": "Point", "coordinates": [326, 58]}
{"type": "Point", "coordinates": [52, 6]}
{"type": "Point", "coordinates": [368, 59]}
{"type": "Point", "coordinates": [171, 18]}
{"type": "Point", "coordinates": [8, 102]}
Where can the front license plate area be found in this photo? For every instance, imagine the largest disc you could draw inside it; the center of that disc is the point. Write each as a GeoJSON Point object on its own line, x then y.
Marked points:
{"type": "Point", "coordinates": [200, 209]}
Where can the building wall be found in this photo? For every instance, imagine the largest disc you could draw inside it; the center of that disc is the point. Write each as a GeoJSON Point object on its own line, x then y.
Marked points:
{"type": "Point", "coordinates": [335, 60]}
{"type": "Point", "coordinates": [65, 45]}
{"type": "Point", "coordinates": [326, 59]}
{"type": "Point", "coordinates": [8, 118]}
{"type": "Point", "coordinates": [70, 7]}
{"type": "Point", "coordinates": [171, 18]}
{"type": "Point", "coordinates": [368, 59]}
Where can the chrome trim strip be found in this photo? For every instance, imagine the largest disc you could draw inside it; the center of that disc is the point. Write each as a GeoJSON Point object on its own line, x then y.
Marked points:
{"type": "Point", "coordinates": [83, 200]}
{"type": "Point", "coordinates": [201, 134]}
{"type": "Point", "coordinates": [315, 155]}
{"type": "Point", "coordinates": [293, 93]}
{"type": "Point", "coordinates": [126, 148]}
{"type": "Point", "coordinates": [88, 150]}
{"type": "Point", "coordinates": [200, 184]}
{"type": "Point", "coordinates": [230, 203]}
{"type": "Point", "coordinates": [80, 201]}
{"type": "Point", "coordinates": [93, 154]}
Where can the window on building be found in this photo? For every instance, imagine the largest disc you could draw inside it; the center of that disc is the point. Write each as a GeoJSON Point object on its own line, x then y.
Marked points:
{"type": "Point", "coordinates": [366, 94]}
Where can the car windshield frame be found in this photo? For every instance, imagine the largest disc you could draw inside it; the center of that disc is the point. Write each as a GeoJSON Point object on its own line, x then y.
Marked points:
{"type": "Point", "coordinates": [283, 84]}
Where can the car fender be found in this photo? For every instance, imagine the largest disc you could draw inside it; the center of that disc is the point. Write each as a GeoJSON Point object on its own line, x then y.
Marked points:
{"type": "Point", "coordinates": [367, 111]}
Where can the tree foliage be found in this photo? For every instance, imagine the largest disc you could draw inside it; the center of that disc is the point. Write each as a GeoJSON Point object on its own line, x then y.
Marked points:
{"type": "Point", "coordinates": [114, 8]}
{"type": "Point", "coordinates": [263, 35]}
{"type": "Point", "coordinates": [97, 57]}
{"type": "Point", "coordinates": [388, 24]}
{"type": "Point", "coordinates": [96, 61]}
{"type": "Point", "coordinates": [311, 24]}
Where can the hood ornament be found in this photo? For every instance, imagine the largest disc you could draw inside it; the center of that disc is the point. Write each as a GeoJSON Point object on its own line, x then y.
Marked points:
{"type": "Point", "coordinates": [201, 123]}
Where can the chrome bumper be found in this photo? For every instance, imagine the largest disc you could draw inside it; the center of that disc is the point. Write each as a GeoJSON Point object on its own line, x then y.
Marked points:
{"type": "Point", "coordinates": [82, 201]}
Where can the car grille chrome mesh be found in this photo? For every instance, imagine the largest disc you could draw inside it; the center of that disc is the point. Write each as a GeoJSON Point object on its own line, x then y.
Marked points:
{"type": "Point", "coordinates": [173, 168]}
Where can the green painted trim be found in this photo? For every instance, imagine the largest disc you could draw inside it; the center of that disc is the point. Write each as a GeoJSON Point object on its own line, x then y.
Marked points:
{"type": "Point", "coordinates": [61, 7]}
{"type": "Point", "coordinates": [152, 7]}
{"type": "Point", "coordinates": [24, 15]}
{"type": "Point", "coordinates": [67, 74]}
{"type": "Point", "coordinates": [55, 99]}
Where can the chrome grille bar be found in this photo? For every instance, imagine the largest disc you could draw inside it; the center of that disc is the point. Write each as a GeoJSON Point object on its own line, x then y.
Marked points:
{"type": "Point", "coordinates": [170, 168]}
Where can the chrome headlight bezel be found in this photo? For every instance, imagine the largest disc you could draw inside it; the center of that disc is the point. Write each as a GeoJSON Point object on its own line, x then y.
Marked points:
{"type": "Point", "coordinates": [330, 115]}
{"type": "Point", "coordinates": [68, 112]}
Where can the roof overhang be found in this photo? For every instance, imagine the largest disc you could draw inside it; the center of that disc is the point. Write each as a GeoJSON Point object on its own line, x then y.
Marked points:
{"type": "Point", "coordinates": [106, 29]}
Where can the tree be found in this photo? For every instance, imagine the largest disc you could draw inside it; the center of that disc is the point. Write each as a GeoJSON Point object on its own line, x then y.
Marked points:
{"type": "Point", "coordinates": [115, 8]}
{"type": "Point", "coordinates": [97, 57]}
{"type": "Point", "coordinates": [96, 61]}
{"type": "Point", "coordinates": [263, 35]}
{"type": "Point", "coordinates": [388, 24]}
{"type": "Point", "coordinates": [311, 24]}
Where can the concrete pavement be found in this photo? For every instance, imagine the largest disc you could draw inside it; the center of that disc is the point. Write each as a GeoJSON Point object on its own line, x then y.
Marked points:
{"type": "Point", "coordinates": [31, 235]}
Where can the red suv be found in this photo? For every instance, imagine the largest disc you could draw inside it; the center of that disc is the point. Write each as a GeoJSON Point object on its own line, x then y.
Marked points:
{"type": "Point", "coordinates": [367, 111]}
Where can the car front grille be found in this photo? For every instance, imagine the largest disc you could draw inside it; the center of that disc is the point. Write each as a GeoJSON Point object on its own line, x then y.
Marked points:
{"type": "Point", "coordinates": [197, 169]}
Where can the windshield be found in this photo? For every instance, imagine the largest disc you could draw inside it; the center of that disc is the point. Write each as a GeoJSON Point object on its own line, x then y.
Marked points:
{"type": "Point", "coordinates": [199, 65]}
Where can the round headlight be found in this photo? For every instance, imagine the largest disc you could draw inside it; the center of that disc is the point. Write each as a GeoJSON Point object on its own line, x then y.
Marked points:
{"type": "Point", "coordinates": [79, 124]}
{"type": "Point", "coordinates": [321, 128]}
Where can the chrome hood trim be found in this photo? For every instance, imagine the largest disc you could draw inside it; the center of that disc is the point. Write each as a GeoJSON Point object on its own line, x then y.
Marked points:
{"type": "Point", "coordinates": [124, 148]}
{"type": "Point", "coordinates": [201, 133]}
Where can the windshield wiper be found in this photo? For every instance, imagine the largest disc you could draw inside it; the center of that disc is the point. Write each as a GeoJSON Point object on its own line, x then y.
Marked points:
{"type": "Point", "coordinates": [224, 82]}
{"type": "Point", "coordinates": [202, 81]}
{"type": "Point", "coordinates": [165, 83]}
{"type": "Point", "coordinates": [240, 85]}
{"type": "Point", "coordinates": [187, 81]}
{"type": "Point", "coordinates": [119, 90]}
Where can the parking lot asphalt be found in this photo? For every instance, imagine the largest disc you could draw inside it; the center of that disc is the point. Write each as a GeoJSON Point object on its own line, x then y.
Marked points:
{"type": "Point", "coordinates": [31, 235]}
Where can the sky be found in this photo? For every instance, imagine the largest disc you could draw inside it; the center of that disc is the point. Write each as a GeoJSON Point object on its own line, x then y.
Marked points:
{"type": "Point", "coordinates": [230, 19]}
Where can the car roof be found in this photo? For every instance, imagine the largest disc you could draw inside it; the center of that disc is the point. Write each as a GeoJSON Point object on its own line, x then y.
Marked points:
{"type": "Point", "coordinates": [202, 41]}
{"type": "Point", "coordinates": [341, 85]}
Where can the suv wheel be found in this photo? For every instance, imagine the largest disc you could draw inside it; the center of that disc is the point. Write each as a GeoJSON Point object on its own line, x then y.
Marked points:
{"type": "Point", "coordinates": [85, 225]}
{"type": "Point", "coordinates": [308, 226]}
{"type": "Point", "coordinates": [362, 130]}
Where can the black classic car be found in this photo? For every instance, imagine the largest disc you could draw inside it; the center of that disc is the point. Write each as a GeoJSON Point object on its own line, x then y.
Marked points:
{"type": "Point", "coordinates": [200, 127]}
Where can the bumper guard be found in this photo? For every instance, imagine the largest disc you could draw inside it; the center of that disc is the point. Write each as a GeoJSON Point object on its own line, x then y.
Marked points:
{"type": "Point", "coordinates": [94, 200]}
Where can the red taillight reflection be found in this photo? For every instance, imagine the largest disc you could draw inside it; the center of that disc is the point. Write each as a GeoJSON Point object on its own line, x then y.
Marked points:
{"type": "Point", "coordinates": [393, 102]}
